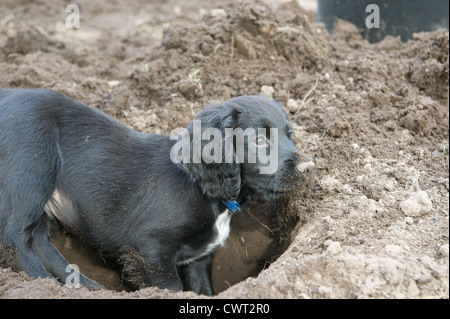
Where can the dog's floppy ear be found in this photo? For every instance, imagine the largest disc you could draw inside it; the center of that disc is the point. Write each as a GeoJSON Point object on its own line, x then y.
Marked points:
{"type": "Point", "coordinates": [210, 166]}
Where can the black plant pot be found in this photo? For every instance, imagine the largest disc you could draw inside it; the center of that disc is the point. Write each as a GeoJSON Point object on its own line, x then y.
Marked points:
{"type": "Point", "coordinates": [396, 17]}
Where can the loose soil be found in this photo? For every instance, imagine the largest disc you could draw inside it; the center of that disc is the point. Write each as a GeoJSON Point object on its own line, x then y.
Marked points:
{"type": "Point", "coordinates": [373, 116]}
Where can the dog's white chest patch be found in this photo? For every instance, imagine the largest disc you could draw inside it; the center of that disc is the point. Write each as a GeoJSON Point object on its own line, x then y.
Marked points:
{"type": "Point", "coordinates": [63, 209]}
{"type": "Point", "coordinates": [222, 231]}
{"type": "Point", "coordinates": [222, 226]}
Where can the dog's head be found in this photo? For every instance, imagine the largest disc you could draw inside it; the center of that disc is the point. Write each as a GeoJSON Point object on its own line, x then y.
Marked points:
{"type": "Point", "coordinates": [244, 142]}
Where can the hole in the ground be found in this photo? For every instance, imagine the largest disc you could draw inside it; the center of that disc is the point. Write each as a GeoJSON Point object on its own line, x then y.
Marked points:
{"type": "Point", "coordinates": [259, 236]}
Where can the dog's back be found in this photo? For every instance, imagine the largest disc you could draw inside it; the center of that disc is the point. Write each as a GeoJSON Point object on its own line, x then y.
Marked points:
{"type": "Point", "coordinates": [47, 142]}
{"type": "Point", "coordinates": [79, 148]}
{"type": "Point", "coordinates": [30, 161]}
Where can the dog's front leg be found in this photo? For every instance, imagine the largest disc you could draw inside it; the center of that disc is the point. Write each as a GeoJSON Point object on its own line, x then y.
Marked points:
{"type": "Point", "coordinates": [163, 276]}
{"type": "Point", "coordinates": [196, 275]}
{"type": "Point", "coordinates": [145, 268]}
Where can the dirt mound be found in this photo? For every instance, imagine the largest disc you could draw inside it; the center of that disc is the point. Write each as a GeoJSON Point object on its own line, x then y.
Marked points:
{"type": "Point", "coordinates": [373, 116]}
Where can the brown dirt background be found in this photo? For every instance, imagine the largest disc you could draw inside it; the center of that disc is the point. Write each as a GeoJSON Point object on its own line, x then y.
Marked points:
{"type": "Point", "coordinates": [373, 116]}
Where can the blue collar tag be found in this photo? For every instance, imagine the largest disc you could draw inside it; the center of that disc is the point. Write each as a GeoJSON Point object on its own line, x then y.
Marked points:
{"type": "Point", "coordinates": [232, 206]}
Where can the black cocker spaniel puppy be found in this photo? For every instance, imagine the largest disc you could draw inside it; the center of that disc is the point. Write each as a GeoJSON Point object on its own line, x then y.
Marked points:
{"type": "Point", "coordinates": [157, 205]}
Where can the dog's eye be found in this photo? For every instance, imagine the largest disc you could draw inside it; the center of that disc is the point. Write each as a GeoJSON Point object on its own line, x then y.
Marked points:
{"type": "Point", "coordinates": [261, 140]}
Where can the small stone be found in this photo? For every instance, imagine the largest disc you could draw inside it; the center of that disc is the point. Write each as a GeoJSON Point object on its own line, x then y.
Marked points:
{"type": "Point", "coordinates": [292, 105]}
{"type": "Point", "coordinates": [417, 205]}
{"type": "Point", "coordinates": [218, 13]}
{"type": "Point", "coordinates": [113, 84]}
{"type": "Point", "coordinates": [444, 250]}
{"type": "Point", "coordinates": [245, 46]}
{"type": "Point", "coordinates": [334, 248]}
{"type": "Point", "coordinates": [337, 213]}
{"type": "Point", "coordinates": [327, 218]}
{"type": "Point", "coordinates": [389, 186]}
{"type": "Point", "coordinates": [268, 91]}
{"type": "Point", "coordinates": [409, 220]}
{"type": "Point", "coordinates": [435, 274]}
{"type": "Point", "coordinates": [359, 179]}
{"type": "Point", "coordinates": [177, 10]}
{"type": "Point", "coordinates": [427, 261]}
{"type": "Point", "coordinates": [191, 90]}
{"type": "Point", "coordinates": [413, 290]}
{"type": "Point", "coordinates": [331, 184]}
{"type": "Point", "coordinates": [424, 281]}
{"type": "Point", "coordinates": [324, 291]}
{"type": "Point", "coordinates": [327, 243]}
{"type": "Point", "coordinates": [406, 136]}
{"type": "Point", "coordinates": [394, 249]}
{"type": "Point", "coordinates": [269, 29]}
{"type": "Point", "coordinates": [355, 241]}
